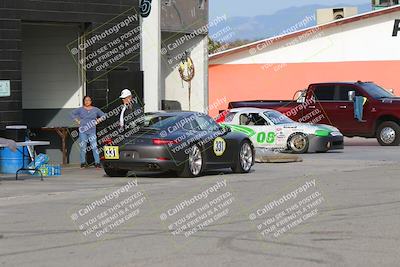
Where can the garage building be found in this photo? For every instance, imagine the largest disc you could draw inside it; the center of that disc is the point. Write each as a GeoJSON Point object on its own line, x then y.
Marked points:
{"type": "Point", "coordinates": [44, 76]}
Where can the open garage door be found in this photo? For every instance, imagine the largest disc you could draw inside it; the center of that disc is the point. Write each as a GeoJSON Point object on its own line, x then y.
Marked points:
{"type": "Point", "coordinates": [50, 78]}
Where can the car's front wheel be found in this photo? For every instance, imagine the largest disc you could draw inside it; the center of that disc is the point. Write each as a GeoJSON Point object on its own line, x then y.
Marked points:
{"type": "Point", "coordinates": [298, 143]}
{"type": "Point", "coordinates": [193, 166]}
{"type": "Point", "coordinates": [244, 159]}
{"type": "Point", "coordinates": [115, 172]}
{"type": "Point", "coordinates": [388, 134]}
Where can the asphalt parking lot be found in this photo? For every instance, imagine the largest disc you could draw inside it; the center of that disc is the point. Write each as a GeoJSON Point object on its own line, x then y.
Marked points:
{"type": "Point", "coordinates": [352, 217]}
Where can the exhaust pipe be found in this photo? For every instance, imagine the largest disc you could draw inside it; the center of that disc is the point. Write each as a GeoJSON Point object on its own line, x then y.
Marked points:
{"type": "Point", "coordinates": [153, 167]}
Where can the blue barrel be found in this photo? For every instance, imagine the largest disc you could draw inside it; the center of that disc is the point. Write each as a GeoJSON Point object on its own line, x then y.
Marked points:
{"type": "Point", "coordinates": [11, 161]}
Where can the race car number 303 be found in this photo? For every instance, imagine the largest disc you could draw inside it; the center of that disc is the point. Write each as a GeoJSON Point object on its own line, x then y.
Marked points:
{"type": "Point", "coordinates": [111, 152]}
{"type": "Point", "coordinates": [219, 146]}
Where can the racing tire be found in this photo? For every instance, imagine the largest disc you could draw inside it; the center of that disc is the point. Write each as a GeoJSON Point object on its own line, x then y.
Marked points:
{"type": "Point", "coordinates": [388, 134]}
{"type": "Point", "coordinates": [298, 143]}
{"type": "Point", "coordinates": [194, 164]}
{"type": "Point", "coordinates": [245, 158]}
{"type": "Point", "coordinates": [115, 172]}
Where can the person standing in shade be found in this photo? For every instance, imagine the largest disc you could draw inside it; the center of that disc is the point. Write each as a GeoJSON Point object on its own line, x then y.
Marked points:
{"type": "Point", "coordinates": [132, 112]}
{"type": "Point", "coordinates": [87, 118]}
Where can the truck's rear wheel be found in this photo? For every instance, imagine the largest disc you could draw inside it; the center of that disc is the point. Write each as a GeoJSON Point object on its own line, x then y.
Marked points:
{"type": "Point", "coordinates": [388, 134]}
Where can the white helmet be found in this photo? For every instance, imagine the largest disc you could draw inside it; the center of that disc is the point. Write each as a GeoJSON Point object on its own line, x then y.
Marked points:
{"type": "Point", "coordinates": [125, 93]}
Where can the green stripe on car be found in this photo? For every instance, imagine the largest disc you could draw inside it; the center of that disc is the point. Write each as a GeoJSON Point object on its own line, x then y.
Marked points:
{"type": "Point", "coordinates": [246, 130]}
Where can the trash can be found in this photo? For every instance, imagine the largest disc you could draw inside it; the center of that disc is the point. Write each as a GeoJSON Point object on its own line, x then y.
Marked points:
{"type": "Point", "coordinates": [11, 161]}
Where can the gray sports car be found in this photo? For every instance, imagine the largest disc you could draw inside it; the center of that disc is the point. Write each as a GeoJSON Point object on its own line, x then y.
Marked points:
{"type": "Point", "coordinates": [186, 142]}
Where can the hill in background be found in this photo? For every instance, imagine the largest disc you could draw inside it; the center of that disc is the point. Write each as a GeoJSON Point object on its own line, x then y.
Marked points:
{"type": "Point", "coordinates": [261, 27]}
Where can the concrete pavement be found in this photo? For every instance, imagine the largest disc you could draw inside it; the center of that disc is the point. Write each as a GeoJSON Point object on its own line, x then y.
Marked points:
{"type": "Point", "coordinates": [346, 214]}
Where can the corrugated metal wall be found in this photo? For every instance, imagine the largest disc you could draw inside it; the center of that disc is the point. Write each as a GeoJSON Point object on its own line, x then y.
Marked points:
{"type": "Point", "coordinates": [89, 13]}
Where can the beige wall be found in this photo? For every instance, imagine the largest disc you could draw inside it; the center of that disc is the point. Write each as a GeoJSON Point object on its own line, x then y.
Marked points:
{"type": "Point", "coordinates": [174, 87]}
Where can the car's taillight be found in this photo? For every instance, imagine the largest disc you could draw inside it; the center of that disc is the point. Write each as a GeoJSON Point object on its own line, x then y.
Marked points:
{"type": "Point", "coordinates": [221, 116]}
{"type": "Point", "coordinates": [164, 142]}
{"type": "Point", "coordinates": [107, 141]}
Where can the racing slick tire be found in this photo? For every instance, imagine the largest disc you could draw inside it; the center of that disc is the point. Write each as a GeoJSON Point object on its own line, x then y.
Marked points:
{"type": "Point", "coordinates": [388, 134]}
{"type": "Point", "coordinates": [298, 143]}
{"type": "Point", "coordinates": [115, 172]}
{"type": "Point", "coordinates": [244, 159]}
{"type": "Point", "coordinates": [194, 165]}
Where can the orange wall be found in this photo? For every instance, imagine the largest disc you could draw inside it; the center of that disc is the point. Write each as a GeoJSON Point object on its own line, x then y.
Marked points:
{"type": "Point", "coordinates": [281, 81]}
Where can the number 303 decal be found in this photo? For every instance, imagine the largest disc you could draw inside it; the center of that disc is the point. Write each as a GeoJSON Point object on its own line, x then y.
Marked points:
{"type": "Point", "coordinates": [219, 146]}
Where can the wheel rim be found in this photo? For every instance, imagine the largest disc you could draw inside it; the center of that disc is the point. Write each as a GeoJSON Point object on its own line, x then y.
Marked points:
{"type": "Point", "coordinates": [298, 142]}
{"type": "Point", "coordinates": [246, 156]}
{"type": "Point", "coordinates": [388, 135]}
{"type": "Point", "coordinates": [195, 160]}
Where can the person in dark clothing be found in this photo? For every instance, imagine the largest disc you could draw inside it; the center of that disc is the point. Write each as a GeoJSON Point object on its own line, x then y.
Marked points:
{"type": "Point", "coordinates": [132, 112]}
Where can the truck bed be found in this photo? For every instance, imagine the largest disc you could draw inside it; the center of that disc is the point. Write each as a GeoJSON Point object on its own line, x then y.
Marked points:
{"type": "Point", "coordinates": [272, 104]}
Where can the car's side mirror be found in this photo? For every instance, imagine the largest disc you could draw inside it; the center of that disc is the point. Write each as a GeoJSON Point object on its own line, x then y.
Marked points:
{"type": "Point", "coordinates": [391, 91]}
{"type": "Point", "coordinates": [352, 95]}
{"type": "Point", "coordinates": [301, 99]}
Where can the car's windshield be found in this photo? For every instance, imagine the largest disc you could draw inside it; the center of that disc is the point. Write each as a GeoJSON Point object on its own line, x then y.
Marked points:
{"type": "Point", "coordinates": [277, 117]}
{"type": "Point", "coordinates": [376, 91]}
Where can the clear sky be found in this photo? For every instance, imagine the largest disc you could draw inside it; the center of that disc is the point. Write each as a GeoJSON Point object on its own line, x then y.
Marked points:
{"type": "Point", "coordinates": [251, 8]}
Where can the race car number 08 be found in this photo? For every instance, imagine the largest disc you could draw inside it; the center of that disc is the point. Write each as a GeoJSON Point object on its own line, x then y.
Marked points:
{"type": "Point", "coordinates": [111, 152]}
{"type": "Point", "coordinates": [262, 137]}
{"type": "Point", "coordinates": [219, 146]}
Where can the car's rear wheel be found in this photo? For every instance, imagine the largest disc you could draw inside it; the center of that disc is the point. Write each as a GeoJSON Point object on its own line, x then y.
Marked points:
{"type": "Point", "coordinates": [115, 172]}
{"type": "Point", "coordinates": [298, 143]}
{"type": "Point", "coordinates": [388, 134]}
{"type": "Point", "coordinates": [193, 166]}
{"type": "Point", "coordinates": [244, 159]}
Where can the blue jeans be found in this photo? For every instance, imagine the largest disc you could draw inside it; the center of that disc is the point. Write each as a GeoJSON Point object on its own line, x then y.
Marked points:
{"type": "Point", "coordinates": [84, 138]}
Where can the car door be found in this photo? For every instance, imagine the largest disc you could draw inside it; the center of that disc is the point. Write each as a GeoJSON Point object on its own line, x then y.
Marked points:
{"type": "Point", "coordinates": [217, 145]}
{"type": "Point", "coordinates": [278, 130]}
{"type": "Point", "coordinates": [325, 105]}
{"type": "Point", "coordinates": [264, 131]}
{"type": "Point", "coordinates": [344, 114]}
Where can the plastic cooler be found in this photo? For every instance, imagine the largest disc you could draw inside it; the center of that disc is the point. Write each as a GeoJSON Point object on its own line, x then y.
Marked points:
{"type": "Point", "coordinates": [11, 161]}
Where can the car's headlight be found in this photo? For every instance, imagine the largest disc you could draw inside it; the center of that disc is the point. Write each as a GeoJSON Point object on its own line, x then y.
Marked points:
{"type": "Point", "coordinates": [322, 133]}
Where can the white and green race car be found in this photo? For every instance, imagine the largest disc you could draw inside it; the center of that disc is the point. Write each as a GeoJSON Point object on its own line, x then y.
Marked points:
{"type": "Point", "coordinates": [273, 130]}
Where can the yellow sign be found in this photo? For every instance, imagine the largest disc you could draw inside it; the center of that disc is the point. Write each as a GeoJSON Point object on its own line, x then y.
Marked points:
{"type": "Point", "coordinates": [219, 146]}
{"type": "Point", "coordinates": [111, 152]}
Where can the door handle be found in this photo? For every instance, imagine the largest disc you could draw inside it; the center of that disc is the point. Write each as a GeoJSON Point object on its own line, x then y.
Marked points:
{"type": "Point", "coordinates": [342, 107]}
{"type": "Point", "coordinates": [311, 106]}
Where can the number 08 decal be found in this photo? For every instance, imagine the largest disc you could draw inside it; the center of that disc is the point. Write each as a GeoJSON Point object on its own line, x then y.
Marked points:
{"type": "Point", "coordinates": [219, 146]}
{"type": "Point", "coordinates": [262, 137]}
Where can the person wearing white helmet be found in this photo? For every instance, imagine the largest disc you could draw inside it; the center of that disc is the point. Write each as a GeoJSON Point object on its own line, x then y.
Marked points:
{"type": "Point", "coordinates": [126, 96]}
{"type": "Point", "coordinates": [130, 105]}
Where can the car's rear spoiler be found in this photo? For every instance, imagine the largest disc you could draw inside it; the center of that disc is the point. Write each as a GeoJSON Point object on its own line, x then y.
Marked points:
{"type": "Point", "coordinates": [221, 116]}
{"type": "Point", "coordinates": [252, 103]}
